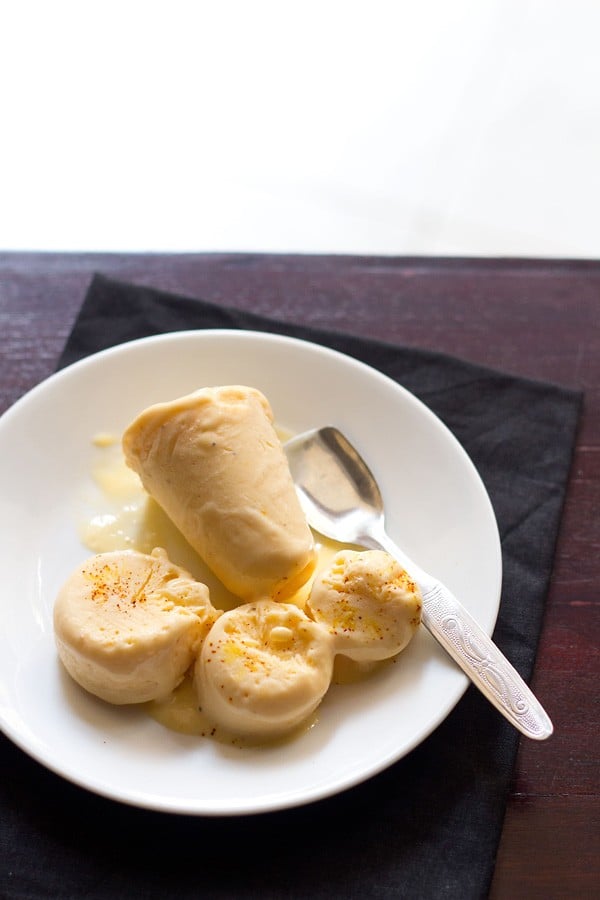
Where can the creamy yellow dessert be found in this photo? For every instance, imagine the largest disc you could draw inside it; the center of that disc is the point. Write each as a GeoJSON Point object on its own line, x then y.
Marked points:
{"type": "Point", "coordinates": [214, 463]}
{"type": "Point", "coordinates": [263, 669]}
{"type": "Point", "coordinates": [133, 627]}
{"type": "Point", "coordinates": [128, 625]}
{"type": "Point", "coordinates": [368, 604]}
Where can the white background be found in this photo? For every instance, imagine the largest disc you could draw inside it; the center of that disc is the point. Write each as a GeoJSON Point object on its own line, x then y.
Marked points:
{"type": "Point", "coordinates": [436, 127]}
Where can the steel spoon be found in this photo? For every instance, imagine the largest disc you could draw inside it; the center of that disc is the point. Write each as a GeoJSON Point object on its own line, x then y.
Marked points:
{"type": "Point", "coordinates": [341, 500]}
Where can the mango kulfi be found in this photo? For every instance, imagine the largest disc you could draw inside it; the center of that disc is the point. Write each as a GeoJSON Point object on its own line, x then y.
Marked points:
{"type": "Point", "coordinates": [367, 602]}
{"type": "Point", "coordinates": [128, 625]}
{"type": "Point", "coordinates": [212, 460]}
{"type": "Point", "coordinates": [263, 669]}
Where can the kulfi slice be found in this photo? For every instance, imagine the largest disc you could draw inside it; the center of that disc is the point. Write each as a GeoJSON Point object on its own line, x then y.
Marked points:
{"type": "Point", "coordinates": [263, 669]}
{"type": "Point", "coordinates": [129, 625]}
{"type": "Point", "coordinates": [212, 460]}
{"type": "Point", "coordinates": [367, 602]}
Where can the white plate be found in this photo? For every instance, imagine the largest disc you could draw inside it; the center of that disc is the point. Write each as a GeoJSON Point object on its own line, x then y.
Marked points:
{"type": "Point", "coordinates": [438, 510]}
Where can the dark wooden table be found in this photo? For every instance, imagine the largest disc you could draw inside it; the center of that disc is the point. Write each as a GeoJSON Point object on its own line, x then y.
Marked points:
{"type": "Point", "coordinates": [539, 319]}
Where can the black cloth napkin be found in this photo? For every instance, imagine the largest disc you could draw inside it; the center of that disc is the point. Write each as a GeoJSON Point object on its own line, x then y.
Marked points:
{"type": "Point", "coordinates": [429, 826]}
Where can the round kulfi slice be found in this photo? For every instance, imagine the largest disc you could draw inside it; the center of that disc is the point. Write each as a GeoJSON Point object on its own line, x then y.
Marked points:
{"type": "Point", "coordinates": [263, 669]}
{"type": "Point", "coordinates": [128, 625]}
{"type": "Point", "coordinates": [214, 463]}
{"type": "Point", "coordinates": [367, 602]}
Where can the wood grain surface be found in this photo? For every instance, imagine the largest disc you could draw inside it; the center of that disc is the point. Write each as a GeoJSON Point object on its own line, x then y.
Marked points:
{"type": "Point", "coordinates": [535, 318]}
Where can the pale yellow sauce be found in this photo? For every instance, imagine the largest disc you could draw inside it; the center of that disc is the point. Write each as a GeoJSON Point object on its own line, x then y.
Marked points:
{"type": "Point", "coordinates": [117, 514]}
{"type": "Point", "coordinates": [180, 712]}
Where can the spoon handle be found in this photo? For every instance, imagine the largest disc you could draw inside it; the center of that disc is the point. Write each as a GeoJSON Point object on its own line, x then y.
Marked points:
{"type": "Point", "coordinates": [474, 651]}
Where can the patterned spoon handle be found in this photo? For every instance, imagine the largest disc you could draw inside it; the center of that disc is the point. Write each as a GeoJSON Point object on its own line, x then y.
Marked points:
{"type": "Point", "coordinates": [474, 651]}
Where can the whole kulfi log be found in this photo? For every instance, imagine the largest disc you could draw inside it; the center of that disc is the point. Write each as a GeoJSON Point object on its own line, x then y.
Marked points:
{"type": "Point", "coordinates": [214, 463]}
